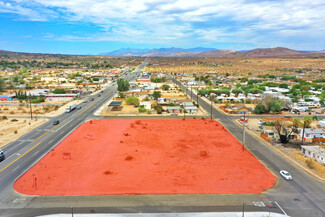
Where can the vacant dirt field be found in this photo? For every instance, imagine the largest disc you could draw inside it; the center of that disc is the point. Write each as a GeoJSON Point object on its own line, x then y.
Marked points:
{"type": "Point", "coordinates": [13, 128]}
{"type": "Point", "coordinates": [151, 156]}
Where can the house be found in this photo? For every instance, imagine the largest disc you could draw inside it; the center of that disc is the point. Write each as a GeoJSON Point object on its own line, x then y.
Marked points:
{"type": "Point", "coordinates": [162, 101]}
{"type": "Point", "coordinates": [7, 97]}
{"type": "Point", "coordinates": [316, 152]}
{"type": "Point", "coordinates": [191, 109]}
{"type": "Point", "coordinates": [173, 109]}
{"type": "Point", "coordinates": [312, 133]}
{"type": "Point", "coordinates": [146, 104]}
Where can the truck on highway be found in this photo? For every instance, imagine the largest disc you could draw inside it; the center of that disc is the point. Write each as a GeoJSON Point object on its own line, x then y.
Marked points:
{"type": "Point", "coordinates": [70, 107]}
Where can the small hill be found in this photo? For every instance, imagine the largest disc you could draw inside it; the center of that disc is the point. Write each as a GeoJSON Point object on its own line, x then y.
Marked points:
{"type": "Point", "coordinates": [267, 52]}
{"type": "Point", "coordinates": [215, 53]}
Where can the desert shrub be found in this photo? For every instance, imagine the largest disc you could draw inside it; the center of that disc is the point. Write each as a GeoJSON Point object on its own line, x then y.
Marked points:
{"type": "Point", "coordinates": [142, 109]}
{"type": "Point", "coordinates": [4, 117]}
{"type": "Point", "coordinates": [310, 163]}
{"type": "Point", "coordinates": [16, 131]}
{"type": "Point", "coordinates": [149, 112]}
{"type": "Point", "coordinates": [14, 120]}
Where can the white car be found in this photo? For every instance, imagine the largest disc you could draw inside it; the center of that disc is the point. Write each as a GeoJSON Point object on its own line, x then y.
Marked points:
{"type": "Point", "coordinates": [286, 175]}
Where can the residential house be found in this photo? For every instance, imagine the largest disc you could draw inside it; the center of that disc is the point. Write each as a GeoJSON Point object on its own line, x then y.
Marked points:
{"type": "Point", "coordinates": [146, 104]}
{"type": "Point", "coordinates": [173, 109]}
{"type": "Point", "coordinates": [316, 152]}
{"type": "Point", "coordinates": [310, 133]}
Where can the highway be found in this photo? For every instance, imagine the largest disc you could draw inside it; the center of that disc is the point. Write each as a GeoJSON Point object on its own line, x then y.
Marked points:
{"type": "Point", "coordinates": [28, 149]}
{"type": "Point", "coordinates": [304, 196]}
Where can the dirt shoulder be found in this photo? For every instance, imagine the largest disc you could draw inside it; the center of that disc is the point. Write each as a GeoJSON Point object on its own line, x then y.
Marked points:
{"type": "Point", "coordinates": [13, 128]}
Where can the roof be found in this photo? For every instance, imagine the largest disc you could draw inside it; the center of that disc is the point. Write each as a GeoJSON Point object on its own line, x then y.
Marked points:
{"type": "Point", "coordinates": [115, 103]}
{"type": "Point", "coordinates": [173, 107]}
{"type": "Point", "coordinates": [145, 103]}
{"type": "Point", "coordinates": [314, 131]}
{"type": "Point", "coordinates": [314, 148]}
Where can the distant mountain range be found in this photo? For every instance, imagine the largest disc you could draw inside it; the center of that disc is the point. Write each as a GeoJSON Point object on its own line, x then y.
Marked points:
{"type": "Point", "coordinates": [210, 52]}
{"type": "Point", "coordinates": [140, 52]}
{"type": "Point", "coordinates": [191, 52]}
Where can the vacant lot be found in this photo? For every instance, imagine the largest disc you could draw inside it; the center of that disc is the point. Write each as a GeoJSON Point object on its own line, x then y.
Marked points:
{"type": "Point", "coordinates": [152, 156]}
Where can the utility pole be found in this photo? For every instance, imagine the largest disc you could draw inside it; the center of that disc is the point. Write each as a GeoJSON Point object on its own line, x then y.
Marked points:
{"type": "Point", "coordinates": [243, 210]}
{"type": "Point", "coordinates": [211, 106]}
{"type": "Point", "coordinates": [30, 106]}
{"type": "Point", "coordinates": [303, 133]}
{"type": "Point", "coordinates": [244, 130]}
{"type": "Point", "coordinates": [191, 92]}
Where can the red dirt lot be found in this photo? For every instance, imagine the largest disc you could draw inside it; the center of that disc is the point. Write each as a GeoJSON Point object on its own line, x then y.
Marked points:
{"type": "Point", "coordinates": [164, 156]}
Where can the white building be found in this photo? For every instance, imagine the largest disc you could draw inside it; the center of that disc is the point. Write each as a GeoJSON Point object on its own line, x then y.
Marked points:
{"type": "Point", "coordinates": [312, 133]}
{"type": "Point", "coordinates": [316, 152]}
{"type": "Point", "coordinates": [146, 104]}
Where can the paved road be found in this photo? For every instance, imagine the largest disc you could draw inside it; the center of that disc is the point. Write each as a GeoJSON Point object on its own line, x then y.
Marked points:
{"type": "Point", "coordinates": [304, 196]}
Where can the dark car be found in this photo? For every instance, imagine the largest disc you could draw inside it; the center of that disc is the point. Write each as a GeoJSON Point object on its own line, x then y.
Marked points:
{"type": "Point", "coordinates": [2, 155]}
{"type": "Point", "coordinates": [102, 91]}
{"type": "Point", "coordinates": [99, 95]}
{"type": "Point", "coordinates": [92, 99]}
{"type": "Point", "coordinates": [85, 101]}
{"type": "Point", "coordinates": [56, 122]}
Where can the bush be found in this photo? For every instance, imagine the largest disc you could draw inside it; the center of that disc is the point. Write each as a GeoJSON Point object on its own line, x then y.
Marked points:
{"type": "Point", "coordinates": [14, 120]}
{"type": "Point", "coordinates": [310, 163]}
{"type": "Point", "coordinates": [142, 109]}
{"type": "Point", "coordinates": [149, 112]}
{"type": "Point", "coordinates": [260, 109]}
{"type": "Point", "coordinates": [16, 131]}
{"type": "Point", "coordinates": [132, 100]}
{"type": "Point", "coordinates": [4, 117]}
{"type": "Point", "coordinates": [269, 124]}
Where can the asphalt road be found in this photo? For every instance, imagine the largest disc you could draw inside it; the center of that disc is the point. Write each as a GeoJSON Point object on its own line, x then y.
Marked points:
{"type": "Point", "coordinates": [304, 196]}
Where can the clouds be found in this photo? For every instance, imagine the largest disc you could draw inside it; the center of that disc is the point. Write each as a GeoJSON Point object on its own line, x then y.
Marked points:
{"type": "Point", "coordinates": [174, 22]}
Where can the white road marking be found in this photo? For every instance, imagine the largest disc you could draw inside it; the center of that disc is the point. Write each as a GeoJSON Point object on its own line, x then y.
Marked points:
{"type": "Point", "coordinates": [16, 168]}
{"type": "Point", "coordinates": [63, 125]}
{"type": "Point", "coordinates": [280, 208]}
{"type": "Point", "coordinates": [35, 153]}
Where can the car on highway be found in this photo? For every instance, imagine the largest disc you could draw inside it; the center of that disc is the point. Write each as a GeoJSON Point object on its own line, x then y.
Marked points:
{"type": "Point", "coordinates": [85, 101]}
{"type": "Point", "coordinates": [56, 122]}
{"type": "Point", "coordinates": [285, 174]}
{"type": "Point", "coordinates": [2, 155]}
{"type": "Point", "coordinates": [99, 95]}
{"type": "Point", "coordinates": [92, 99]}
{"type": "Point", "coordinates": [78, 107]}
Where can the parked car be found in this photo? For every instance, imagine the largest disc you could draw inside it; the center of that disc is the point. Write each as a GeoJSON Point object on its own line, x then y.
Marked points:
{"type": "Point", "coordinates": [243, 119]}
{"type": "Point", "coordinates": [174, 114]}
{"type": "Point", "coordinates": [285, 174]}
{"type": "Point", "coordinates": [261, 122]}
{"type": "Point", "coordinates": [2, 155]}
{"type": "Point", "coordinates": [287, 116]}
{"type": "Point", "coordinates": [56, 122]}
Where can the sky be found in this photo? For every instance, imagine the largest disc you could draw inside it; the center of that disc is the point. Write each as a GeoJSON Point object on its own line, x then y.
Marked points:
{"type": "Point", "coordinates": [99, 26]}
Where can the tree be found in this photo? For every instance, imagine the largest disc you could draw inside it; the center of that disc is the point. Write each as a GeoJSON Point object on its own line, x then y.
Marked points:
{"type": "Point", "coordinates": [156, 95]}
{"type": "Point", "coordinates": [122, 85]}
{"type": "Point", "coordinates": [132, 100]}
{"type": "Point", "coordinates": [165, 87]}
{"type": "Point", "coordinates": [58, 91]}
{"type": "Point", "coordinates": [260, 109]}
{"type": "Point", "coordinates": [307, 121]}
{"type": "Point", "coordinates": [283, 132]}
{"type": "Point", "coordinates": [203, 92]}
{"type": "Point", "coordinates": [2, 86]}
{"type": "Point", "coordinates": [237, 91]}
{"type": "Point", "coordinates": [275, 106]}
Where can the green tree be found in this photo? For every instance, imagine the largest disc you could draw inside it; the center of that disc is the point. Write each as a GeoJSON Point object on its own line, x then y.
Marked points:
{"type": "Point", "coordinates": [275, 106]}
{"type": "Point", "coordinates": [59, 91]}
{"type": "Point", "coordinates": [2, 85]}
{"type": "Point", "coordinates": [307, 121]}
{"type": "Point", "coordinates": [156, 95]}
{"type": "Point", "coordinates": [260, 109]}
{"type": "Point", "coordinates": [165, 87]}
{"type": "Point", "coordinates": [203, 92]}
{"type": "Point", "coordinates": [122, 85]}
{"type": "Point", "coordinates": [237, 91]}
{"type": "Point", "coordinates": [132, 100]}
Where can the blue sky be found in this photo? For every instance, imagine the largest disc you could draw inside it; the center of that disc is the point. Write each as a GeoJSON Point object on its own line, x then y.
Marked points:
{"type": "Point", "coordinates": [97, 26]}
